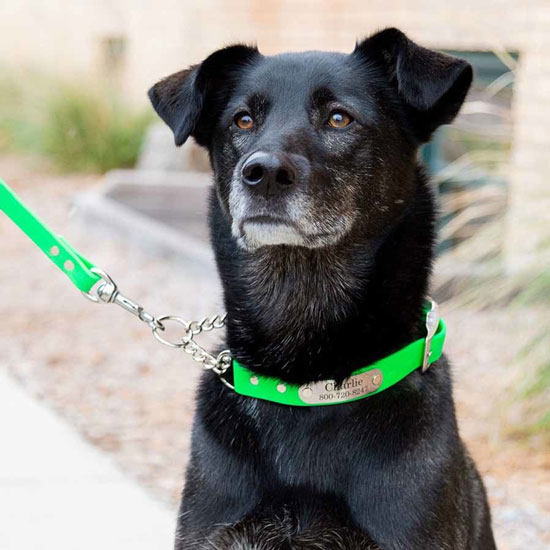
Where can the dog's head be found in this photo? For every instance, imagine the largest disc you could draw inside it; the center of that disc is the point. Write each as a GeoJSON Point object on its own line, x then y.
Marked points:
{"type": "Point", "coordinates": [310, 147]}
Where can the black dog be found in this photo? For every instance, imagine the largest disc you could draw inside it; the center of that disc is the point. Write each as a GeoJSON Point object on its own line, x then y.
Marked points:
{"type": "Point", "coordinates": [323, 226]}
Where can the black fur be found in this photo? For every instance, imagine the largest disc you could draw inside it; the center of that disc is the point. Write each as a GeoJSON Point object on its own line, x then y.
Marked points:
{"type": "Point", "coordinates": [389, 471]}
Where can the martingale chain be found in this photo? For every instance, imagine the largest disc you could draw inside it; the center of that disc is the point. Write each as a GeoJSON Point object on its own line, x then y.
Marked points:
{"type": "Point", "coordinates": [97, 286]}
{"type": "Point", "coordinates": [106, 292]}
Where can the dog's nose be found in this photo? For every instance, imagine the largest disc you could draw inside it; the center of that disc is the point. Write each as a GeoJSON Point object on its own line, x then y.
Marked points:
{"type": "Point", "coordinates": [268, 172]}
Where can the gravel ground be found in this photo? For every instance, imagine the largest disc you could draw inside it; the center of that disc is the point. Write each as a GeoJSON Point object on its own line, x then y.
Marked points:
{"type": "Point", "coordinates": [133, 398]}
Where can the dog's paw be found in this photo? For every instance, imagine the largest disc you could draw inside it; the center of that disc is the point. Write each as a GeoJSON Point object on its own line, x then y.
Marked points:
{"type": "Point", "coordinates": [281, 533]}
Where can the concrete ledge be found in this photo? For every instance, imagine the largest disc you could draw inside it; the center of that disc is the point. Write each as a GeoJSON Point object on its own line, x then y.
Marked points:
{"type": "Point", "coordinates": [163, 213]}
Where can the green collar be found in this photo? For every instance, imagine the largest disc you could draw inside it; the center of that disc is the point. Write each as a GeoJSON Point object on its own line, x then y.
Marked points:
{"type": "Point", "coordinates": [363, 382]}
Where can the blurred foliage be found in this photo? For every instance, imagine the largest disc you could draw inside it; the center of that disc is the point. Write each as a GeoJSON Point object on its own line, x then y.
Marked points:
{"type": "Point", "coordinates": [78, 127]}
{"type": "Point", "coordinates": [521, 292]}
{"type": "Point", "coordinates": [474, 201]}
{"type": "Point", "coordinates": [536, 392]}
{"type": "Point", "coordinates": [90, 132]}
{"type": "Point", "coordinates": [469, 141]}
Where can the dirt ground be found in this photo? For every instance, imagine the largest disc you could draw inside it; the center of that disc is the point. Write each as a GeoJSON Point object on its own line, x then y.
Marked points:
{"type": "Point", "coordinates": [100, 368]}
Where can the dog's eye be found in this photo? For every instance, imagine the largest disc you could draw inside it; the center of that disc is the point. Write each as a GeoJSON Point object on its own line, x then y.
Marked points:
{"type": "Point", "coordinates": [244, 121]}
{"type": "Point", "coordinates": [339, 119]}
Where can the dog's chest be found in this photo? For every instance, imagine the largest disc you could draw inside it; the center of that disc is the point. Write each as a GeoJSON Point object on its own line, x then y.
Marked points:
{"type": "Point", "coordinates": [316, 447]}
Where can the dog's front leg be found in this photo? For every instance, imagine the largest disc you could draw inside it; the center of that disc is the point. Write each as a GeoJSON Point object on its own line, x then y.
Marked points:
{"type": "Point", "coordinates": [265, 529]}
{"type": "Point", "coordinates": [218, 492]}
{"type": "Point", "coordinates": [243, 535]}
{"type": "Point", "coordinates": [412, 507]}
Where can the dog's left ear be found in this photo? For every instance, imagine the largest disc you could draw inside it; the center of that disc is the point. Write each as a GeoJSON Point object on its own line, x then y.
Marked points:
{"type": "Point", "coordinates": [190, 101]}
{"type": "Point", "coordinates": [431, 84]}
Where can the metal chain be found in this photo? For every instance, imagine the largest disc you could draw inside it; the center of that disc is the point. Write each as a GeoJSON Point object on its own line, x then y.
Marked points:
{"type": "Point", "coordinates": [106, 292]}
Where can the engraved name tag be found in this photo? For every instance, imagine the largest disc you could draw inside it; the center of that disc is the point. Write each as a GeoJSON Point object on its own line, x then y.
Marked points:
{"type": "Point", "coordinates": [326, 391]}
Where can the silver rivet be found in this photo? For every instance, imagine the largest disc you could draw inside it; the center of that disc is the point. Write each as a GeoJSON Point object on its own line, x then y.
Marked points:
{"type": "Point", "coordinates": [376, 379]}
{"type": "Point", "coordinates": [281, 388]}
{"type": "Point", "coordinates": [68, 265]}
{"type": "Point", "coordinates": [307, 392]}
{"type": "Point", "coordinates": [54, 251]}
{"type": "Point", "coordinates": [254, 380]}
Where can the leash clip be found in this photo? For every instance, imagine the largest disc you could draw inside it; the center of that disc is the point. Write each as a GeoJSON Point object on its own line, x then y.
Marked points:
{"type": "Point", "coordinates": [432, 322]}
{"type": "Point", "coordinates": [107, 293]}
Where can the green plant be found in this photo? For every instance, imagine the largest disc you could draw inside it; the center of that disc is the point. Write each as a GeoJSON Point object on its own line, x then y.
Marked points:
{"type": "Point", "coordinates": [537, 389]}
{"type": "Point", "coordinates": [20, 114]}
{"type": "Point", "coordinates": [519, 294]}
{"type": "Point", "coordinates": [85, 131]}
{"type": "Point", "coordinates": [80, 128]}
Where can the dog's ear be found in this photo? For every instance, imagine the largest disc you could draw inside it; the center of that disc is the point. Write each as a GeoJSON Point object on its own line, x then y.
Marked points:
{"type": "Point", "coordinates": [431, 84]}
{"type": "Point", "coordinates": [189, 101]}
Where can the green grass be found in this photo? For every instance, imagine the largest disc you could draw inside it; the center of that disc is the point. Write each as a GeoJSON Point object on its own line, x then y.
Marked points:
{"type": "Point", "coordinates": [537, 292]}
{"type": "Point", "coordinates": [81, 129]}
{"type": "Point", "coordinates": [535, 392]}
{"type": "Point", "coordinates": [518, 293]}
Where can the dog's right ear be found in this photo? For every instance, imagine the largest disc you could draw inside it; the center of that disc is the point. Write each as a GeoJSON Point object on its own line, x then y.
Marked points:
{"type": "Point", "coordinates": [189, 101]}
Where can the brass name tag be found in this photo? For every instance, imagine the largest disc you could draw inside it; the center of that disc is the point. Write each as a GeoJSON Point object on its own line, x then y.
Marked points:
{"type": "Point", "coordinates": [353, 387]}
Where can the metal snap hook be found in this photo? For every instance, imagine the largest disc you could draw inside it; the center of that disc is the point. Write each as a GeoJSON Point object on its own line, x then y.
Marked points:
{"type": "Point", "coordinates": [105, 289]}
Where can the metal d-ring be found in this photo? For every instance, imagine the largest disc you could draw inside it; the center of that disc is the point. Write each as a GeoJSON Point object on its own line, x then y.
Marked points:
{"type": "Point", "coordinates": [162, 320]}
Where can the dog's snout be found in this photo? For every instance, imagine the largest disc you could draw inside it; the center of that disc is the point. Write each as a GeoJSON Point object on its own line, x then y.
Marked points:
{"type": "Point", "coordinates": [268, 172]}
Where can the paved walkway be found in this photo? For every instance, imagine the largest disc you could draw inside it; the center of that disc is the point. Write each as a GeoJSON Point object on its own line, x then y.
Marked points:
{"type": "Point", "coordinates": [58, 493]}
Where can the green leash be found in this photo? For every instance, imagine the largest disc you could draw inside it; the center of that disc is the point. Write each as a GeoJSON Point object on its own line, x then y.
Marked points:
{"type": "Point", "coordinates": [100, 288]}
{"type": "Point", "coordinates": [56, 248]}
